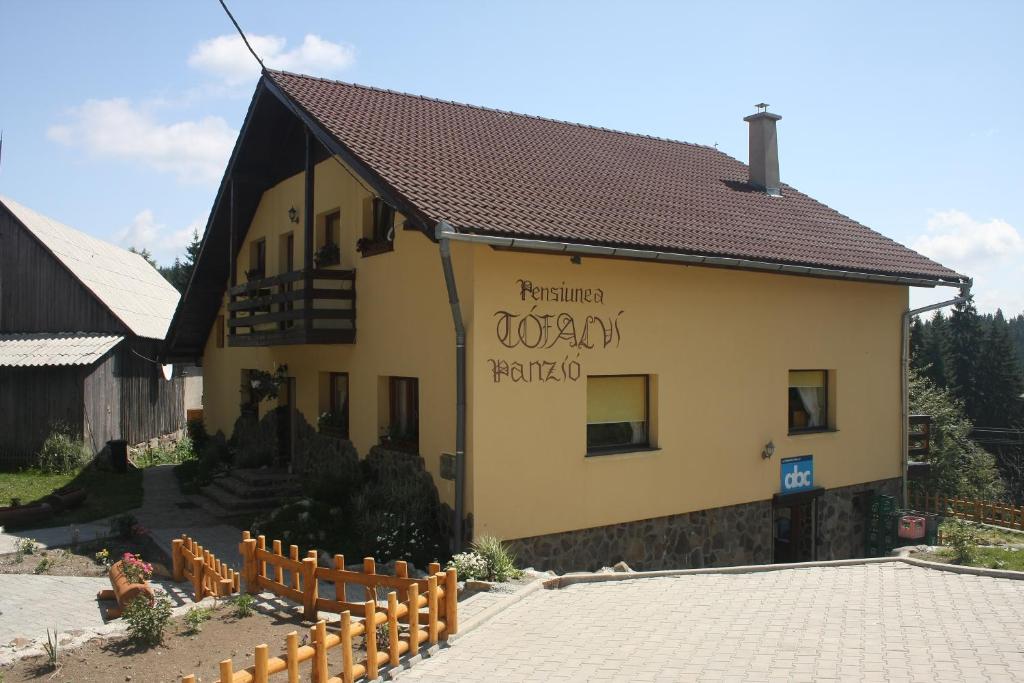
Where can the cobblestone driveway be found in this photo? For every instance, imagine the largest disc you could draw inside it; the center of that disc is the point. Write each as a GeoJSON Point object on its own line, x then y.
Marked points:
{"type": "Point", "coordinates": [887, 621]}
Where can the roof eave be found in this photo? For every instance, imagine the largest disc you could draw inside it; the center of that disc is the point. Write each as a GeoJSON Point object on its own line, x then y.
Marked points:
{"type": "Point", "coordinates": [446, 231]}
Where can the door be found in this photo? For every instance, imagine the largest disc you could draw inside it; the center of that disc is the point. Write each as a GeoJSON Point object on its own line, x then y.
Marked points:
{"type": "Point", "coordinates": [794, 529]}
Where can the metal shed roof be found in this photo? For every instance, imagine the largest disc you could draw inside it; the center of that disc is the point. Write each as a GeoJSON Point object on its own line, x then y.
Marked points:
{"type": "Point", "coordinates": [37, 349]}
{"type": "Point", "coordinates": [124, 282]}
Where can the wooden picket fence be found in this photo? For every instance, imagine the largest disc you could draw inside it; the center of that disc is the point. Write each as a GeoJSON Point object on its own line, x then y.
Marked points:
{"type": "Point", "coordinates": [208, 575]}
{"type": "Point", "coordinates": [983, 511]}
{"type": "Point", "coordinates": [298, 580]}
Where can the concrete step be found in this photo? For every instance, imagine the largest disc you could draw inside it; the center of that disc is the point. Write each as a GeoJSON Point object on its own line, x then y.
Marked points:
{"type": "Point", "coordinates": [244, 489]}
{"type": "Point", "coordinates": [263, 476]}
{"type": "Point", "coordinates": [235, 504]}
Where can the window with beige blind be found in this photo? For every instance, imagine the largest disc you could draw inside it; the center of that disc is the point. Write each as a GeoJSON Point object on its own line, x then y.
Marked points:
{"type": "Point", "coordinates": [808, 400]}
{"type": "Point", "coordinates": [617, 413]}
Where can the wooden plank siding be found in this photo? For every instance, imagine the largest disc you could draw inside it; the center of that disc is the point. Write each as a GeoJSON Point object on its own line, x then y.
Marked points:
{"type": "Point", "coordinates": [38, 294]}
{"type": "Point", "coordinates": [31, 399]}
{"type": "Point", "coordinates": [150, 405]}
{"type": "Point", "coordinates": [101, 402]}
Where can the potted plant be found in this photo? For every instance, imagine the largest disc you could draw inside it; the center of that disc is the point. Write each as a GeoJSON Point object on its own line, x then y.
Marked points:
{"type": "Point", "coordinates": [327, 255]}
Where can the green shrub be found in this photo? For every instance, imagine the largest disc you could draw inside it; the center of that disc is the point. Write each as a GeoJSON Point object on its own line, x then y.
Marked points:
{"type": "Point", "coordinates": [62, 452]}
{"type": "Point", "coordinates": [51, 649]}
{"type": "Point", "coordinates": [123, 526]}
{"type": "Point", "coordinates": [962, 539]}
{"type": "Point", "coordinates": [197, 434]}
{"type": "Point", "coordinates": [147, 623]}
{"type": "Point", "coordinates": [44, 566]}
{"type": "Point", "coordinates": [244, 605]}
{"type": "Point", "coordinates": [25, 546]}
{"type": "Point", "coordinates": [500, 560]}
{"type": "Point", "coordinates": [195, 617]}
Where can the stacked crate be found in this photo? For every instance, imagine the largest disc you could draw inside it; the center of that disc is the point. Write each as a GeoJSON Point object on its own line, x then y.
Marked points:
{"type": "Point", "coordinates": [880, 529]}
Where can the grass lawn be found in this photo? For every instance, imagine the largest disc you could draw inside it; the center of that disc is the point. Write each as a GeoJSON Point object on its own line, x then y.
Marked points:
{"type": "Point", "coordinates": [109, 493]}
{"type": "Point", "coordinates": [991, 557]}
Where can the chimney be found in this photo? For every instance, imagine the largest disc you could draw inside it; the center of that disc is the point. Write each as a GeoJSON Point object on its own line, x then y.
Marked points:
{"type": "Point", "coordinates": [764, 150]}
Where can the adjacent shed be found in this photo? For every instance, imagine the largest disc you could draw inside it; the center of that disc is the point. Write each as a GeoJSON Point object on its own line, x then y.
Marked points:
{"type": "Point", "coordinates": [81, 324]}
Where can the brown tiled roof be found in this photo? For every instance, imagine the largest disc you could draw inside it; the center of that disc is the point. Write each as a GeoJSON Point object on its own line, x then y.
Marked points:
{"type": "Point", "coordinates": [499, 173]}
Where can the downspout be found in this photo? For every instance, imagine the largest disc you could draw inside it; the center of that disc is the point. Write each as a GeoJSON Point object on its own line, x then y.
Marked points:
{"type": "Point", "coordinates": [965, 293]}
{"type": "Point", "coordinates": [442, 232]}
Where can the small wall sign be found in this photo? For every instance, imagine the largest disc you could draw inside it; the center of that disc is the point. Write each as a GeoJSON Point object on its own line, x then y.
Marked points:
{"type": "Point", "coordinates": [796, 474]}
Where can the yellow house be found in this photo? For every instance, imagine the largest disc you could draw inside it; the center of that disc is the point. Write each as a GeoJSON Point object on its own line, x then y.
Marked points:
{"type": "Point", "coordinates": [604, 346]}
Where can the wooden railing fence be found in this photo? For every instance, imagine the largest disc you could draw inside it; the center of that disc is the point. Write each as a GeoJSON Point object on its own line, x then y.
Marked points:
{"type": "Point", "coordinates": [298, 580]}
{"type": "Point", "coordinates": [983, 511]}
{"type": "Point", "coordinates": [208, 575]}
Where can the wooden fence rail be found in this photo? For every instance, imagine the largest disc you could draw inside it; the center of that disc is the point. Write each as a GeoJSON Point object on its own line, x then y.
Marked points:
{"type": "Point", "coordinates": [983, 511]}
{"type": "Point", "coordinates": [297, 580]}
{"type": "Point", "coordinates": [207, 574]}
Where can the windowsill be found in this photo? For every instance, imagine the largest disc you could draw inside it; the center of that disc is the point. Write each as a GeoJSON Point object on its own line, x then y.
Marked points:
{"type": "Point", "coordinates": [821, 430]}
{"type": "Point", "coordinates": [374, 248]}
{"type": "Point", "coordinates": [622, 450]}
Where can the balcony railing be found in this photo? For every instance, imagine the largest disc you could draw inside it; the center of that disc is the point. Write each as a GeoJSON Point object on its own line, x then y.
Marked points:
{"type": "Point", "coordinates": [275, 310]}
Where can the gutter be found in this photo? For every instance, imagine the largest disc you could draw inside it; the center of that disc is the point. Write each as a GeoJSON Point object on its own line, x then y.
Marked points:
{"type": "Point", "coordinates": [442, 232]}
{"type": "Point", "coordinates": [965, 293]}
{"type": "Point", "coordinates": [446, 231]}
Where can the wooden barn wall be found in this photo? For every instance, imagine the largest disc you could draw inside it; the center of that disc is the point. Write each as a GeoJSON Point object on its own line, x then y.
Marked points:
{"type": "Point", "coordinates": [38, 294]}
{"type": "Point", "coordinates": [150, 405]}
{"type": "Point", "coordinates": [102, 403]}
{"type": "Point", "coordinates": [31, 400]}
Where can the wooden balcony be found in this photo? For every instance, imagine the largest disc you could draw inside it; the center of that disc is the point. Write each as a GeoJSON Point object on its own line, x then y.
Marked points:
{"type": "Point", "coordinates": [275, 310]}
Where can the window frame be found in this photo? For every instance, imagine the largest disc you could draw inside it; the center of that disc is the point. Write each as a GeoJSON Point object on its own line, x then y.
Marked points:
{"type": "Point", "coordinates": [332, 395]}
{"type": "Point", "coordinates": [396, 444]}
{"type": "Point", "coordinates": [827, 408]}
{"type": "Point", "coordinates": [628, 448]}
{"type": "Point", "coordinates": [329, 236]}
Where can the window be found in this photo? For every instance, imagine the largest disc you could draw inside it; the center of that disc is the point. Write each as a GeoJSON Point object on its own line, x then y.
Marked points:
{"type": "Point", "coordinates": [257, 260]}
{"type": "Point", "coordinates": [332, 228]}
{"type": "Point", "coordinates": [403, 430]}
{"type": "Point", "coordinates": [617, 413]}
{"type": "Point", "coordinates": [383, 221]}
{"type": "Point", "coordinates": [808, 400]}
{"type": "Point", "coordinates": [335, 420]}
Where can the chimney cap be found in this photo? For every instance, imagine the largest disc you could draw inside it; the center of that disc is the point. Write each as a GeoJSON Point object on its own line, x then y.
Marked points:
{"type": "Point", "coordinates": [762, 113]}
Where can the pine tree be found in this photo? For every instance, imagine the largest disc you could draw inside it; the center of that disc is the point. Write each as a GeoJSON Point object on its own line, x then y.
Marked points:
{"type": "Point", "coordinates": [1000, 380]}
{"type": "Point", "coordinates": [960, 357]}
{"type": "Point", "coordinates": [933, 345]}
{"type": "Point", "coordinates": [144, 253]}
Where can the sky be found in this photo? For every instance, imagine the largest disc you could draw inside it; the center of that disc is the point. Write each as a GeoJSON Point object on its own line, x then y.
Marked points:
{"type": "Point", "coordinates": [118, 117]}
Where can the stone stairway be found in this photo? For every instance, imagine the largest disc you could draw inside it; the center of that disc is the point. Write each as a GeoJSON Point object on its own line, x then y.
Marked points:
{"type": "Point", "coordinates": [245, 492]}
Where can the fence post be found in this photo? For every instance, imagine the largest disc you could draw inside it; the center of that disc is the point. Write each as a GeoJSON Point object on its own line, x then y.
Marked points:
{"type": "Point", "coordinates": [370, 624]}
{"type": "Point", "coordinates": [261, 565]}
{"type": "Point", "coordinates": [247, 549]}
{"type": "Point", "coordinates": [260, 674]}
{"type": "Point", "coordinates": [293, 554]}
{"type": "Point", "coordinates": [414, 619]}
{"type": "Point", "coordinates": [177, 560]}
{"type": "Point", "coordinates": [432, 608]}
{"type": "Point", "coordinates": [370, 567]}
{"type": "Point", "coordinates": [292, 640]}
{"type": "Point", "coordinates": [393, 628]}
{"type": "Point", "coordinates": [340, 592]}
{"type": "Point", "coordinates": [191, 678]}
{"type": "Point", "coordinates": [320, 649]}
{"type": "Point", "coordinates": [309, 588]}
{"type": "Point", "coordinates": [227, 674]}
{"type": "Point", "coordinates": [346, 647]}
{"type": "Point", "coordinates": [197, 579]}
{"type": "Point", "coordinates": [278, 569]}
{"type": "Point", "coordinates": [451, 603]}
{"type": "Point", "coordinates": [401, 569]}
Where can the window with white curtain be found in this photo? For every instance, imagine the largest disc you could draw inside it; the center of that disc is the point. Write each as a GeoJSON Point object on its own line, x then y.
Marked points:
{"type": "Point", "coordinates": [808, 400]}
{"type": "Point", "coordinates": [617, 412]}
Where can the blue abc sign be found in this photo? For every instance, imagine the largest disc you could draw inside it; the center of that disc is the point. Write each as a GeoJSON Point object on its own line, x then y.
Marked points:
{"type": "Point", "coordinates": [797, 474]}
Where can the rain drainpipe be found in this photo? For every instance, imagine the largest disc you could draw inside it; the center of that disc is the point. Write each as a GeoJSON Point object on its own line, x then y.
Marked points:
{"type": "Point", "coordinates": [442, 232]}
{"type": "Point", "coordinates": [965, 293]}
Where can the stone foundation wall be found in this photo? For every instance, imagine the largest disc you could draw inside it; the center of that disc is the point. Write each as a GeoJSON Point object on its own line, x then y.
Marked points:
{"type": "Point", "coordinates": [842, 514]}
{"type": "Point", "coordinates": [719, 537]}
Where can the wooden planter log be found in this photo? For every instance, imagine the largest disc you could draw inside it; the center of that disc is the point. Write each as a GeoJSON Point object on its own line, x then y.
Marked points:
{"type": "Point", "coordinates": [25, 515]}
{"type": "Point", "coordinates": [67, 498]}
{"type": "Point", "coordinates": [122, 592]}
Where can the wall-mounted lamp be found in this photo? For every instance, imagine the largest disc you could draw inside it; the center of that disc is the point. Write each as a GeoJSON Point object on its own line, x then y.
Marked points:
{"type": "Point", "coordinates": [293, 215]}
{"type": "Point", "coordinates": [768, 450]}
{"type": "Point", "coordinates": [575, 259]}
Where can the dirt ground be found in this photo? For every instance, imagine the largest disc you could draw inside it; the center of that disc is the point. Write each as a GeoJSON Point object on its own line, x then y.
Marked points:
{"type": "Point", "coordinates": [81, 561]}
{"type": "Point", "coordinates": [223, 636]}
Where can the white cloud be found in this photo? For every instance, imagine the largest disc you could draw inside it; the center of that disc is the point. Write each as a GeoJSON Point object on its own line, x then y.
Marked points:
{"type": "Point", "coordinates": [956, 237]}
{"type": "Point", "coordinates": [195, 151]}
{"type": "Point", "coordinates": [227, 57]}
{"type": "Point", "coordinates": [988, 251]}
{"type": "Point", "coordinates": [144, 232]}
